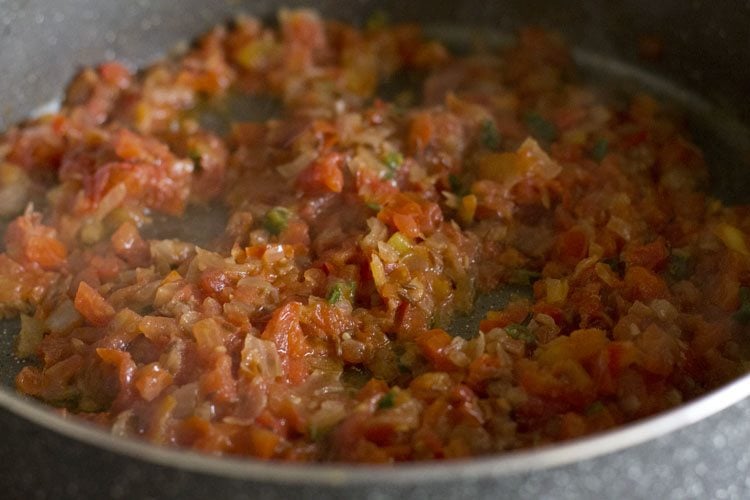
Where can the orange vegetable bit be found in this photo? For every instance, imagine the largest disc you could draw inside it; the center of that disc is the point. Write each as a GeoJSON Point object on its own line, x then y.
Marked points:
{"type": "Point", "coordinates": [323, 174]}
{"type": "Point", "coordinates": [285, 331]}
{"type": "Point", "coordinates": [644, 285]}
{"type": "Point", "coordinates": [432, 344]}
{"type": "Point", "coordinates": [28, 240]}
{"type": "Point", "coordinates": [92, 306]}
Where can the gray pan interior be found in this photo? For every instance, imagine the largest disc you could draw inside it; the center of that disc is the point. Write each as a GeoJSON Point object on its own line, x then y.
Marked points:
{"type": "Point", "coordinates": [705, 71]}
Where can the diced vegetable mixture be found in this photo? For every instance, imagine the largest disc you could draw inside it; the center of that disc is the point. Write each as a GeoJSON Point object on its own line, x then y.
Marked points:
{"type": "Point", "coordinates": [317, 325]}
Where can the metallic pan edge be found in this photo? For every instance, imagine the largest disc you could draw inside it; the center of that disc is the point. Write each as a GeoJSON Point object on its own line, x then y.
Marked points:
{"type": "Point", "coordinates": [343, 475]}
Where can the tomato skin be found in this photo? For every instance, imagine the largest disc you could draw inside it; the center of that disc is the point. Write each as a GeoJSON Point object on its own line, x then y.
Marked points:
{"type": "Point", "coordinates": [571, 246]}
{"type": "Point", "coordinates": [652, 256]}
{"type": "Point", "coordinates": [410, 215]}
{"type": "Point", "coordinates": [126, 369]}
{"type": "Point", "coordinates": [285, 331]}
{"type": "Point", "coordinates": [150, 380]}
{"type": "Point", "coordinates": [432, 344]}
{"type": "Point", "coordinates": [215, 283]}
{"type": "Point", "coordinates": [129, 245]}
{"type": "Point", "coordinates": [421, 132]}
{"type": "Point", "coordinates": [483, 370]}
{"type": "Point", "coordinates": [264, 442]}
{"type": "Point", "coordinates": [49, 253]}
{"type": "Point", "coordinates": [515, 313]}
{"type": "Point", "coordinates": [324, 174]}
{"type": "Point", "coordinates": [92, 306]}
{"type": "Point", "coordinates": [410, 320]}
{"type": "Point", "coordinates": [115, 73]}
{"type": "Point", "coordinates": [29, 241]}
{"type": "Point", "coordinates": [644, 285]}
{"type": "Point", "coordinates": [218, 383]}
{"type": "Point", "coordinates": [552, 311]}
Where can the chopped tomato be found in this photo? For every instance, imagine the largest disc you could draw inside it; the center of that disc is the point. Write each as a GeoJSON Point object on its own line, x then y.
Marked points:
{"type": "Point", "coordinates": [642, 284]}
{"type": "Point", "coordinates": [324, 173]}
{"type": "Point", "coordinates": [285, 331]}
{"type": "Point", "coordinates": [432, 343]}
{"type": "Point", "coordinates": [92, 306]}
{"type": "Point", "coordinates": [410, 216]}
{"type": "Point", "coordinates": [571, 246]}
{"type": "Point", "coordinates": [28, 240]}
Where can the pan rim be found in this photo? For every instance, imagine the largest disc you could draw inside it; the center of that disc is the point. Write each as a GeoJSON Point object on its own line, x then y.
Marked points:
{"type": "Point", "coordinates": [347, 475]}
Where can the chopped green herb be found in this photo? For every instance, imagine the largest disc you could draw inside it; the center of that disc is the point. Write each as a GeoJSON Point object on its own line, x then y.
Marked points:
{"type": "Point", "coordinates": [342, 290]}
{"type": "Point", "coordinates": [455, 183]}
{"type": "Point", "coordinates": [387, 401]}
{"type": "Point", "coordinates": [743, 313]}
{"type": "Point", "coordinates": [520, 331]}
{"type": "Point", "coordinates": [354, 377]}
{"type": "Point", "coordinates": [490, 136]}
{"type": "Point", "coordinates": [542, 129]}
{"type": "Point", "coordinates": [600, 149]}
{"type": "Point", "coordinates": [195, 155]}
{"type": "Point", "coordinates": [404, 99]}
{"type": "Point", "coordinates": [313, 432]}
{"type": "Point", "coordinates": [527, 319]}
{"type": "Point", "coordinates": [524, 277]}
{"type": "Point", "coordinates": [335, 295]}
{"type": "Point", "coordinates": [317, 433]}
{"type": "Point", "coordinates": [276, 220]}
{"type": "Point", "coordinates": [594, 408]}
{"type": "Point", "coordinates": [377, 20]}
{"type": "Point", "coordinates": [680, 266]}
{"type": "Point", "coordinates": [614, 263]}
{"type": "Point", "coordinates": [392, 162]}
{"type": "Point", "coordinates": [374, 206]}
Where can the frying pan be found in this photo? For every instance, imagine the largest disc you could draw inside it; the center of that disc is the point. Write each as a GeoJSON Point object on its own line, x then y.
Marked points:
{"type": "Point", "coordinates": [699, 450]}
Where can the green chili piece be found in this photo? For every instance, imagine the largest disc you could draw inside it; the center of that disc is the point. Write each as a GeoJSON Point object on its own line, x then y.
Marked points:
{"type": "Point", "coordinates": [519, 331]}
{"type": "Point", "coordinates": [387, 401]}
{"type": "Point", "coordinates": [276, 220]}
{"type": "Point", "coordinates": [342, 290]}
{"type": "Point", "coordinates": [379, 19]}
{"type": "Point", "coordinates": [489, 135]}
{"type": "Point", "coordinates": [600, 149]}
{"type": "Point", "coordinates": [542, 129]}
{"type": "Point", "coordinates": [392, 161]}
{"type": "Point", "coordinates": [524, 277]}
{"type": "Point", "coordinates": [679, 266]}
{"type": "Point", "coordinates": [742, 315]}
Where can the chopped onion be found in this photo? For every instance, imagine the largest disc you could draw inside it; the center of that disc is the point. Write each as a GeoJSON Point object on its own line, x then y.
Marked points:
{"type": "Point", "coordinates": [14, 189]}
{"type": "Point", "coordinates": [539, 161]}
{"type": "Point", "coordinates": [30, 336]}
{"type": "Point", "coordinates": [63, 318]}
{"type": "Point", "coordinates": [620, 227]}
{"type": "Point", "coordinates": [260, 357]}
{"type": "Point", "coordinates": [293, 168]}
{"type": "Point", "coordinates": [186, 397]}
{"type": "Point", "coordinates": [261, 284]}
{"type": "Point", "coordinates": [123, 423]}
{"type": "Point", "coordinates": [733, 238]}
{"type": "Point", "coordinates": [557, 290]}
{"type": "Point", "coordinates": [329, 414]}
{"type": "Point", "coordinates": [664, 310]}
{"type": "Point", "coordinates": [378, 271]}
